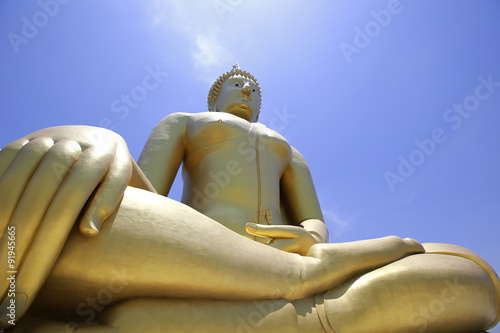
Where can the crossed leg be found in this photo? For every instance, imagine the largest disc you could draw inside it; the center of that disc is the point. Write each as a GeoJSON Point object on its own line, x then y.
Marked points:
{"type": "Point", "coordinates": [165, 248]}
{"type": "Point", "coordinates": [433, 293]}
{"type": "Point", "coordinates": [156, 247]}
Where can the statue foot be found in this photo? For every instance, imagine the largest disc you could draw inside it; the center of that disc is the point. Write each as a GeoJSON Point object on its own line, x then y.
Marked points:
{"type": "Point", "coordinates": [413, 246]}
{"type": "Point", "coordinates": [337, 263]}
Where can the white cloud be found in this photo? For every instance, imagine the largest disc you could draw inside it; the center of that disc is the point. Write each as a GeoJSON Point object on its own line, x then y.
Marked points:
{"type": "Point", "coordinates": [209, 55]}
{"type": "Point", "coordinates": [337, 224]}
{"type": "Point", "coordinates": [199, 25]}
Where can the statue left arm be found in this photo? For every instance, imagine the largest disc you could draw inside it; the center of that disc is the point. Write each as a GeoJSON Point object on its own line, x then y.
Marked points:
{"type": "Point", "coordinates": [301, 203]}
{"type": "Point", "coordinates": [300, 199]}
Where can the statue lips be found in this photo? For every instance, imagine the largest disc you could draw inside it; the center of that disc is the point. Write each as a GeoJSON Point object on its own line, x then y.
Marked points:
{"type": "Point", "coordinates": [244, 107]}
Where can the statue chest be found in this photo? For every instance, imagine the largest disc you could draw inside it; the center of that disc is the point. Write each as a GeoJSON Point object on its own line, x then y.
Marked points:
{"type": "Point", "coordinates": [235, 138]}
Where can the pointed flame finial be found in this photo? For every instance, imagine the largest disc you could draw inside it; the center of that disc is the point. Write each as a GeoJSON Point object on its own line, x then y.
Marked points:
{"type": "Point", "coordinates": [236, 67]}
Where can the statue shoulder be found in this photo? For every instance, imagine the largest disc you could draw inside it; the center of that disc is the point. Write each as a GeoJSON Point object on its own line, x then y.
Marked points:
{"type": "Point", "coordinates": [176, 117]}
{"type": "Point", "coordinates": [271, 133]}
{"type": "Point", "coordinates": [297, 157]}
{"type": "Point", "coordinates": [174, 121]}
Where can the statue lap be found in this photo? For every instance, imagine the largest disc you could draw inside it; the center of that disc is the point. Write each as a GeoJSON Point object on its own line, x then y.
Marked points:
{"type": "Point", "coordinates": [431, 291]}
{"type": "Point", "coordinates": [451, 294]}
{"type": "Point", "coordinates": [423, 292]}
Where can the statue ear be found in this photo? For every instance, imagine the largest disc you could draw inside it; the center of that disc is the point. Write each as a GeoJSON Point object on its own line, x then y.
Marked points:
{"type": "Point", "coordinates": [212, 107]}
{"type": "Point", "coordinates": [257, 118]}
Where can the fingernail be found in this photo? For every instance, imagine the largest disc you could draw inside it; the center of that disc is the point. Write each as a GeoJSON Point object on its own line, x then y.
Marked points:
{"type": "Point", "coordinates": [251, 226]}
{"type": "Point", "coordinates": [89, 229]}
{"type": "Point", "coordinates": [93, 226]}
{"type": "Point", "coordinates": [98, 218]}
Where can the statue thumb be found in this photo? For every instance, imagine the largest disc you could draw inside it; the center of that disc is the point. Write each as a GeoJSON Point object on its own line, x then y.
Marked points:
{"type": "Point", "coordinates": [91, 225]}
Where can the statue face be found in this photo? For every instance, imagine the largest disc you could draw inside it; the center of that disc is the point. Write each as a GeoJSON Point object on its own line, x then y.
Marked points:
{"type": "Point", "coordinates": [239, 95]}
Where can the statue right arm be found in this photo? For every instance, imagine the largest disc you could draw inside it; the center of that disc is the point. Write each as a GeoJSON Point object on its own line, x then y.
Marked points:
{"type": "Point", "coordinates": [164, 151]}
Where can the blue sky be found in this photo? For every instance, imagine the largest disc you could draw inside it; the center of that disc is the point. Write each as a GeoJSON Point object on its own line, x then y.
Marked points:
{"type": "Point", "coordinates": [395, 104]}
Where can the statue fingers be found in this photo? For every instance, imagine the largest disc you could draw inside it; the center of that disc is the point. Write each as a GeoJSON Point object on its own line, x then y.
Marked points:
{"type": "Point", "coordinates": [274, 231]}
{"type": "Point", "coordinates": [9, 152]}
{"type": "Point", "coordinates": [294, 245]}
{"type": "Point", "coordinates": [109, 193]}
{"type": "Point", "coordinates": [287, 245]}
{"type": "Point", "coordinates": [76, 188]}
{"type": "Point", "coordinates": [39, 189]}
{"type": "Point", "coordinates": [19, 160]}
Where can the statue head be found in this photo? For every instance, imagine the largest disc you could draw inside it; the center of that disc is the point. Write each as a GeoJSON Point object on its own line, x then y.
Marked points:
{"type": "Point", "coordinates": [236, 92]}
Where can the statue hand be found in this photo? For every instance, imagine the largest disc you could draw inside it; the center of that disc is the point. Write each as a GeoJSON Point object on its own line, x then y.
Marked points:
{"type": "Point", "coordinates": [80, 169]}
{"type": "Point", "coordinates": [288, 238]}
{"type": "Point", "coordinates": [48, 180]}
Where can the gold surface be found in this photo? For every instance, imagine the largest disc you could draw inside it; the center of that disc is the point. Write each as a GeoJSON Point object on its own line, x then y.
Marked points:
{"type": "Point", "coordinates": [100, 248]}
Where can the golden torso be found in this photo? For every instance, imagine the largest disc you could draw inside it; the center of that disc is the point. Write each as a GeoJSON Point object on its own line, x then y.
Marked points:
{"type": "Point", "coordinates": [225, 174]}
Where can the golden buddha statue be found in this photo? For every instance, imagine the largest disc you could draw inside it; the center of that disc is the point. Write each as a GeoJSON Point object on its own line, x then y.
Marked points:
{"type": "Point", "coordinates": [91, 243]}
{"type": "Point", "coordinates": [236, 170]}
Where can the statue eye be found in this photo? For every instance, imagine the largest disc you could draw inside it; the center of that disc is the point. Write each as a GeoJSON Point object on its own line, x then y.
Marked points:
{"type": "Point", "coordinates": [254, 90]}
{"type": "Point", "coordinates": [237, 84]}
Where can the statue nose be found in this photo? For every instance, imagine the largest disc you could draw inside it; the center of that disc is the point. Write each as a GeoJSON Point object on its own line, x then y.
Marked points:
{"type": "Point", "coordinates": [246, 91]}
